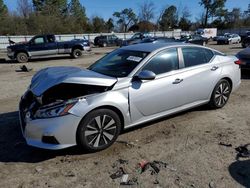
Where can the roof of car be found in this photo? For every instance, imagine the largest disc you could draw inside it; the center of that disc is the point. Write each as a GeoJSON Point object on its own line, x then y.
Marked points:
{"type": "Point", "coordinates": [150, 47]}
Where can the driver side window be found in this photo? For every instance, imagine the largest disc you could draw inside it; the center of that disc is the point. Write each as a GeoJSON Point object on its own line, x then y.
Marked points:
{"type": "Point", "coordinates": [163, 62]}
{"type": "Point", "coordinates": [39, 40]}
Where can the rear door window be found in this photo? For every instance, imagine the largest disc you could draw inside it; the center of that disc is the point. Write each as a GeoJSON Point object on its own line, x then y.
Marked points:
{"type": "Point", "coordinates": [194, 56]}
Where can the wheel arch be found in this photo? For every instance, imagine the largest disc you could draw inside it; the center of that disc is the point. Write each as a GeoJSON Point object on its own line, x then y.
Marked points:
{"type": "Point", "coordinates": [229, 80]}
{"type": "Point", "coordinates": [110, 107]}
{"type": "Point", "coordinates": [77, 46]}
{"type": "Point", "coordinates": [21, 51]}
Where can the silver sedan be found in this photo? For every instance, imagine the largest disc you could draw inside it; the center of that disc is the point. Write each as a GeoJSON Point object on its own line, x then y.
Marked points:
{"type": "Point", "coordinates": [67, 106]}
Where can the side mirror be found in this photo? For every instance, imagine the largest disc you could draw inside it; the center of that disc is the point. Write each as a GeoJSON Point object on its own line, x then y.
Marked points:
{"type": "Point", "coordinates": [146, 75]}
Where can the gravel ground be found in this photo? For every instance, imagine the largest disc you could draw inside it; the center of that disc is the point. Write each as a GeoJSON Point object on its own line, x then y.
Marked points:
{"type": "Point", "coordinates": [189, 142]}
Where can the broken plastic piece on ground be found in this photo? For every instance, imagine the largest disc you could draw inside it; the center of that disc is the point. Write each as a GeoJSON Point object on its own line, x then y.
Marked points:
{"type": "Point", "coordinates": [23, 68]}
{"type": "Point", "coordinates": [156, 181]}
{"type": "Point", "coordinates": [118, 173]}
{"type": "Point", "coordinates": [243, 151]}
{"type": "Point", "coordinates": [124, 178]}
{"type": "Point", "coordinates": [133, 181]}
{"type": "Point", "coordinates": [155, 168]}
{"type": "Point", "coordinates": [142, 166]}
{"type": "Point", "coordinates": [126, 143]}
{"type": "Point", "coordinates": [122, 161]}
{"type": "Point", "coordinates": [225, 144]}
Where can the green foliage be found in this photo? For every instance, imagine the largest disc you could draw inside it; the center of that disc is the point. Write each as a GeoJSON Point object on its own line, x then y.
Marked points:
{"type": "Point", "coordinates": [77, 16]}
{"type": "Point", "coordinates": [212, 8]}
{"type": "Point", "coordinates": [109, 25]}
{"type": "Point", "coordinates": [125, 18]}
{"type": "Point", "coordinates": [169, 18]}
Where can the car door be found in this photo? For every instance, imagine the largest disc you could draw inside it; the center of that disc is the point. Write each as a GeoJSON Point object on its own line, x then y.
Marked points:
{"type": "Point", "coordinates": [51, 45]}
{"type": "Point", "coordinates": [199, 75]}
{"type": "Point", "coordinates": [38, 46]}
{"type": "Point", "coordinates": [161, 94]}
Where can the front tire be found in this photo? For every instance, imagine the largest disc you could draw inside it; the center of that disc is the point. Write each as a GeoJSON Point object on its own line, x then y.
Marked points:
{"type": "Point", "coordinates": [76, 53]}
{"type": "Point", "coordinates": [98, 130]}
{"type": "Point", "coordinates": [220, 94]}
{"type": "Point", "coordinates": [22, 57]}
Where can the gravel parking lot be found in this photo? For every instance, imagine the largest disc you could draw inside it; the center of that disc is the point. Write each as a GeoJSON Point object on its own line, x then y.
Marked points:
{"type": "Point", "coordinates": [197, 146]}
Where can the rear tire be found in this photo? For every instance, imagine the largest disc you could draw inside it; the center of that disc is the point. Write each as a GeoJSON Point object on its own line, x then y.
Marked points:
{"type": "Point", "coordinates": [220, 94]}
{"type": "Point", "coordinates": [76, 53]}
{"type": "Point", "coordinates": [98, 130]}
{"type": "Point", "coordinates": [22, 57]}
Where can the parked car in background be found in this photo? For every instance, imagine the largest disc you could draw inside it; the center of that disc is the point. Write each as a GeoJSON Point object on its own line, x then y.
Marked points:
{"type": "Point", "coordinates": [67, 106]}
{"type": "Point", "coordinates": [216, 38]}
{"type": "Point", "coordinates": [195, 39]}
{"type": "Point", "coordinates": [229, 39]}
{"type": "Point", "coordinates": [107, 40]}
{"type": "Point", "coordinates": [136, 38]}
{"type": "Point", "coordinates": [244, 57]}
{"type": "Point", "coordinates": [245, 35]}
{"type": "Point", "coordinates": [158, 40]}
{"type": "Point", "coordinates": [46, 45]}
{"type": "Point", "coordinates": [245, 42]}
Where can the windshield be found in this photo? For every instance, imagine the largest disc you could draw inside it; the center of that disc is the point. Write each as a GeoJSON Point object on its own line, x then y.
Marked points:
{"type": "Point", "coordinates": [118, 63]}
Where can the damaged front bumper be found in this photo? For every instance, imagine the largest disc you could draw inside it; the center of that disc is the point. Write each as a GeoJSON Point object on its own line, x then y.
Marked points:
{"type": "Point", "coordinates": [53, 133]}
{"type": "Point", "coordinates": [48, 133]}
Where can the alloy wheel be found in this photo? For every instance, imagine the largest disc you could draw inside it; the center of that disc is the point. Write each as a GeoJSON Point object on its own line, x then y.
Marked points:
{"type": "Point", "coordinates": [100, 131]}
{"type": "Point", "coordinates": [222, 94]}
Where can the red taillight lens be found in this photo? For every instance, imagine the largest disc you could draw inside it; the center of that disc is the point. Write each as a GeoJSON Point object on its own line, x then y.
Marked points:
{"type": "Point", "coordinates": [238, 62]}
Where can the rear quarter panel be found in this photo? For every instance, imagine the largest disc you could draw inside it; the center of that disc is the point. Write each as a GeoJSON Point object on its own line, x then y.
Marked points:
{"type": "Point", "coordinates": [230, 70]}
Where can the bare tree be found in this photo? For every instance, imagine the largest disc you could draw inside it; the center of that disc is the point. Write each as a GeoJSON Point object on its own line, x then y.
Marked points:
{"type": "Point", "coordinates": [146, 11]}
{"type": "Point", "coordinates": [24, 8]}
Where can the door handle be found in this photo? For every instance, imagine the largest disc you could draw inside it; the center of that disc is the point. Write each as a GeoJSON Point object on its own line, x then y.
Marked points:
{"type": "Point", "coordinates": [214, 68]}
{"type": "Point", "coordinates": [177, 81]}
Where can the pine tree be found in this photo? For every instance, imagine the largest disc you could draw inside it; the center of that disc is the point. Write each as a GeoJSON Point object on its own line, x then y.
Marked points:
{"type": "Point", "coordinates": [3, 9]}
{"type": "Point", "coordinates": [78, 16]}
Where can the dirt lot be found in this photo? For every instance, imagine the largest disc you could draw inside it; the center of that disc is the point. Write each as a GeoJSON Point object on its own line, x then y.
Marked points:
{"type": "Point", "coordinates": [187, 142]}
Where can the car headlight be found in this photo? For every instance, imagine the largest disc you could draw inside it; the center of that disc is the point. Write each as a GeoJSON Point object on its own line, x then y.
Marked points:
{"type": "Point", "coordinates": [55, 111]}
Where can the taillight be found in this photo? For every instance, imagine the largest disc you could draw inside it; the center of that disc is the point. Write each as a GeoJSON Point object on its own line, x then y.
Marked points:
{"type": "Point", "coordinates": [238, 62]}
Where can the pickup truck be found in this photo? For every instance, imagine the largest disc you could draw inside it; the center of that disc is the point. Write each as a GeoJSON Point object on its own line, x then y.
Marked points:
{"type": "Point", "coordinates": [46, 45]}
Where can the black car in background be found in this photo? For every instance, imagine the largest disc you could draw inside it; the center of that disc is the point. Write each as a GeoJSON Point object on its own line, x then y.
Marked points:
{"type": "Point", "coordinates": [244, 57]}
{"type": "Point", "coordinates": [136, 38]}
{"type": "Point", "coordinates": [158, 39]}
{"type": "Point", "coordinates": [245, 42]}
{"type": "Point", "coordinates": [194, 39]}
{"type": "Point", "coordinates": [107, 40]}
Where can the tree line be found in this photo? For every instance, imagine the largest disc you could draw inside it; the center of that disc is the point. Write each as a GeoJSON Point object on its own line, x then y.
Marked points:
{"type": "Point", "coordinates": [65, 17]}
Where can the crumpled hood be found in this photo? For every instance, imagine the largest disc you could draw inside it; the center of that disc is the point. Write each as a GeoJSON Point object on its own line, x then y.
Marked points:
{"type": "Point", "coordinates": [49, 77]}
